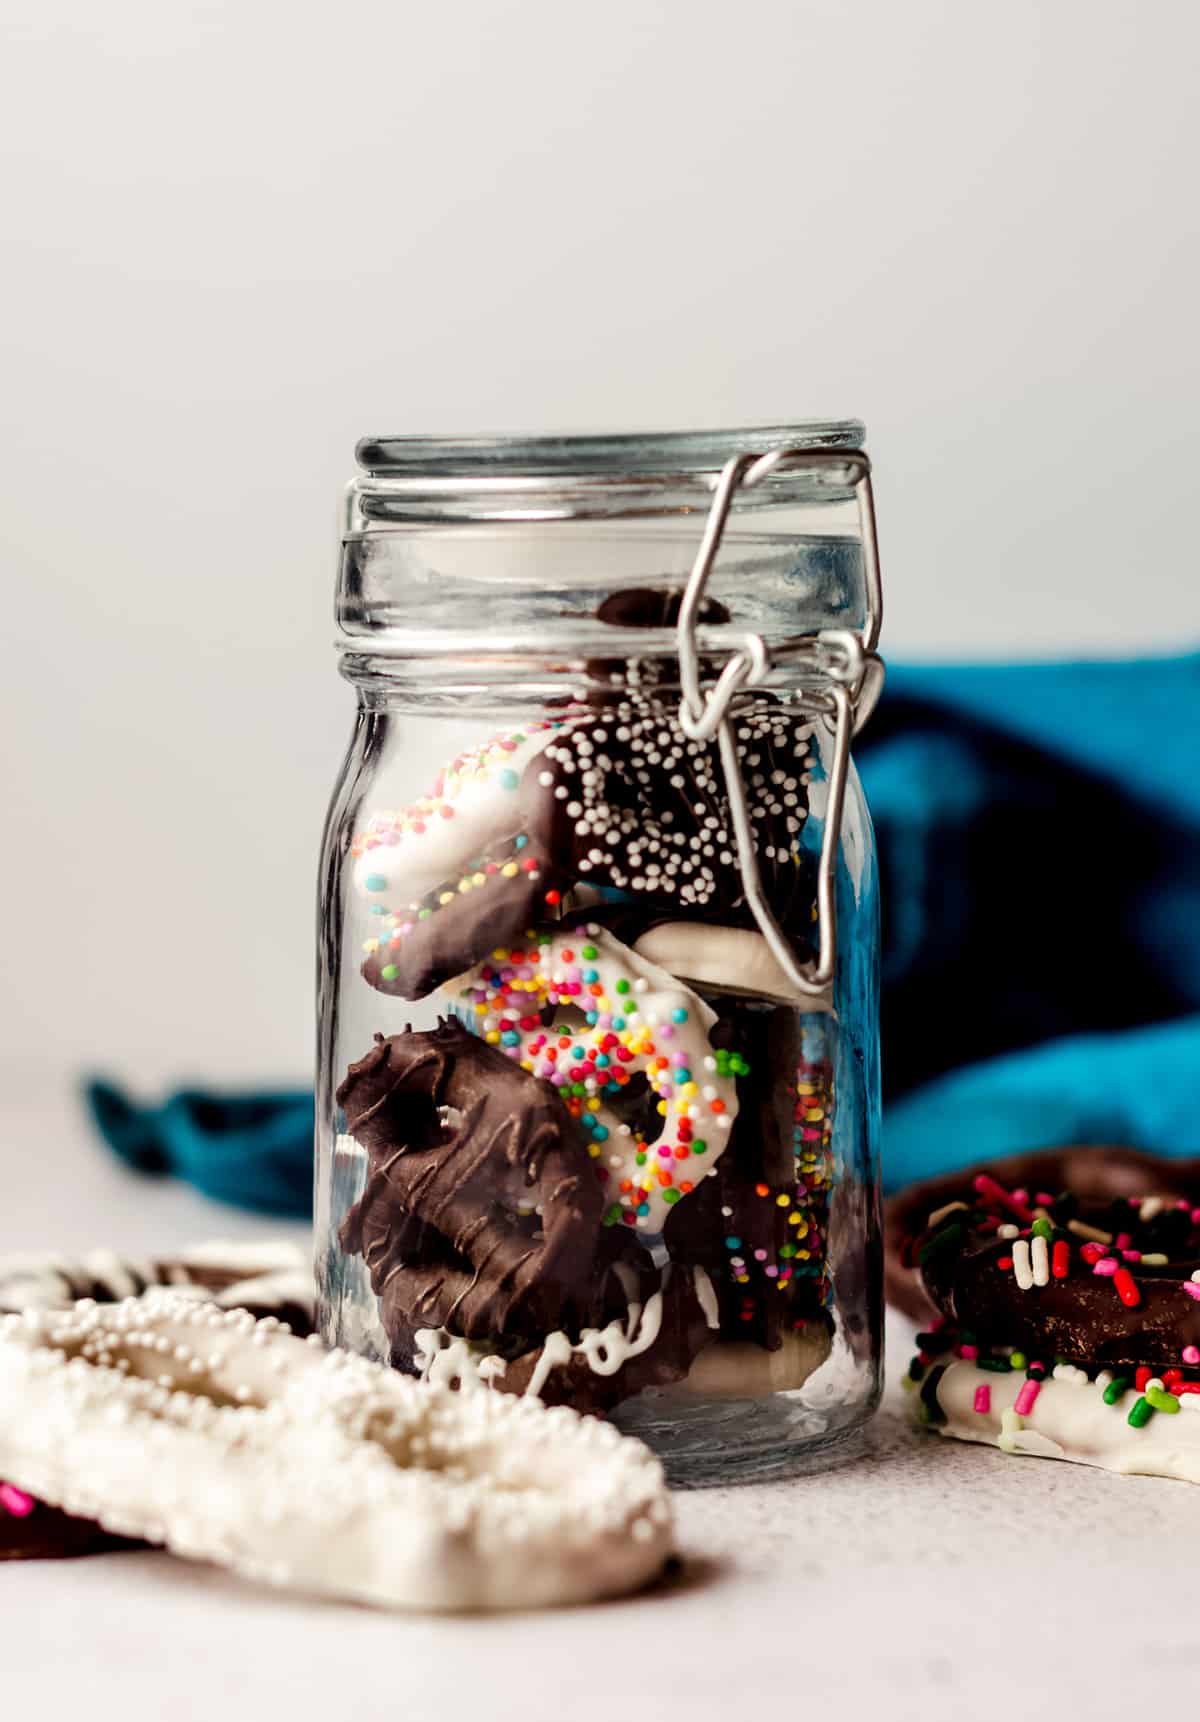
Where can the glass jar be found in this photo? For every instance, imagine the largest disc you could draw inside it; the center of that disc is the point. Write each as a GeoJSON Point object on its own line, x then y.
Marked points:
{"type": "Point", "coordinates": [598, 1084]}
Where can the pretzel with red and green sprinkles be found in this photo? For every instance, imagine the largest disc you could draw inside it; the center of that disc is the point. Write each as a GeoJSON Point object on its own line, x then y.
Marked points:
{"type": "Point", "coordinates": [1102, 1282]}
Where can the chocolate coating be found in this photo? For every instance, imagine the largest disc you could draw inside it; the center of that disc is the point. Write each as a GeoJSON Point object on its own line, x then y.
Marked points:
{"type": "Point", "coordinates": [618, 1261]}
{"type": "Point", "coordinates": [629, 919]}
{"type": "Point", "coordinates": [646, 607]}
{"type": "Point", "coordinates": [453, 937]}
{"type": "Point", "coordinates": [463, 1145]}
{"type": "Point", "coordinates": [1093, 1173]}
{"type": "Point", "coordinates": [459, 1141]}
{"type": "Point", "coordinates": [457, 1136]}
{"type": "Point", "coordinates": [755, 1193]}
{"type": "Point", "coordinates": [683, 1334]}
{"type": "Point", "coordinates": [1079, 1317]}
{"type": "Point", "coordinates": [620, 801]}
{"type": "Point", "coordinates": [664, 795]}
{"type": "Point", "coordinates": [266, 1287]}
{"type": "Point", "coordinates": [46, 1534]}
{"type": "Point", "coordinates": [639, 808]}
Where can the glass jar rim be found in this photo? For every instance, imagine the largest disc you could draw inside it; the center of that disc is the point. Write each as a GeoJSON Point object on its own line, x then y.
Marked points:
{"type": "Point", "coordinates": [443, 460]}
{"type": "Point", "coordinates": [432, 480]}
{"type": "Point", "coordinates": [413, 517]}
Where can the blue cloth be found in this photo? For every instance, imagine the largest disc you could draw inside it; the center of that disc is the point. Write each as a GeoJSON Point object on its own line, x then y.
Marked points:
{"type": "Point", "coordinates": [254, 1150]}
{"type": "Point", "coordinates": [1039, 835]}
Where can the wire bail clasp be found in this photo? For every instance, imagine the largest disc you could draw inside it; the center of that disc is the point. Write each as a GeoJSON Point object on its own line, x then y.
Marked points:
{"type": "Point", "coordinates": [847, 662]}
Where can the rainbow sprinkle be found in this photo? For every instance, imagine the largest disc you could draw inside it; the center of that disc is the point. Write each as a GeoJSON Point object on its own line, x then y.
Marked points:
{"type": "Point", "coordinates": [611, 1017]}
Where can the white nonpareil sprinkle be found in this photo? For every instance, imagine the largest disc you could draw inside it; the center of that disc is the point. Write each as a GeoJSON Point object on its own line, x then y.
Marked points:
{"type": "Point", "coordinates": [255, 1456]}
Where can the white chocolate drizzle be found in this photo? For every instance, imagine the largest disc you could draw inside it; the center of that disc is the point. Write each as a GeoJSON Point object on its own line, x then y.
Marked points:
{"type": "Point", "coordinates": [607, 1349]}
{"type": "Point", "coordinates": [448, 1360]}
{"type": "Point", "coordinates": [706, 1297]}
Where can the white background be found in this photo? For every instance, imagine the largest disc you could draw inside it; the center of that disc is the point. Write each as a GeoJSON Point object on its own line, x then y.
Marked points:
{"type": "Point", "coordinates": [237, 236]}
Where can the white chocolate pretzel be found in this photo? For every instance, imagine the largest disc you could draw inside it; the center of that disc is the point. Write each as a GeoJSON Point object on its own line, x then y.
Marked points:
{"type": "Point", "coordinates": [1068, 1418]}
{"type": "Point", "coordinates": [228, 1440]}
{"type": "Point", "coordinates": [614, 1014]}
{"type": "Point", "coordinates": [730, 958]}
{"type": "Point", "coordinates": [403, 855]}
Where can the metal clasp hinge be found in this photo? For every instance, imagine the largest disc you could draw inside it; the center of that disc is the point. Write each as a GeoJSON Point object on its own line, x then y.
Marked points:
{"type": "Point", "coordinates": [847, 662]}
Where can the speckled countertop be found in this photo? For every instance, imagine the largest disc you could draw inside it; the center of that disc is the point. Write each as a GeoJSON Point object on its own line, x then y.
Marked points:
{"type": "Point", "coordinates": [922, 1580]}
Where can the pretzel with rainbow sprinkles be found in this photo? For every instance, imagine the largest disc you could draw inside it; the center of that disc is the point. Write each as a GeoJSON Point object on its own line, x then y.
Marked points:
{"type": "Point", "coordinates": [584, 1012]}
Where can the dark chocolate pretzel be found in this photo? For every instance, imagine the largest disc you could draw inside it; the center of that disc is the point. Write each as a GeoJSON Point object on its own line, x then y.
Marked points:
{"type": "Point", "coordinates": [481, 1209]}
{"type": "Point", "coordinates": [766, 1199]}
{"type": "Point", "coordinates": [1093, 1173]}
{"type": "Point", "coordinates": [684, 1330]}
{"type": "Point", "coordinates": [639, 808]}
{"type": "Point", "coordinates": [621, 1273]}
{"type": "Point", "coordinates": [642, 809]}
{"type": "Point", "coordinates": [1094, 1299]}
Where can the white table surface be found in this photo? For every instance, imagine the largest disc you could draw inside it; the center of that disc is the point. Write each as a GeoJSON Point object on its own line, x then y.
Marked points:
{"type": "Point", "coordinates": [925, 1580]}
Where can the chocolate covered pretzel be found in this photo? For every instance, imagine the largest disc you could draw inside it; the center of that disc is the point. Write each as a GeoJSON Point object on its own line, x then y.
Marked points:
{"type": "Point", "coordinates": [481, 1209]}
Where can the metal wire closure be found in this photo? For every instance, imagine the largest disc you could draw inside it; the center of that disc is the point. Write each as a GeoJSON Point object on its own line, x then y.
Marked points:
{"type": "Point", "coordinates": [847, 661]}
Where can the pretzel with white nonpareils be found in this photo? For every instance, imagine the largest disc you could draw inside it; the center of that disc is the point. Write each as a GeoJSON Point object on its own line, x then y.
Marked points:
{"type": "Point", "coordinates": [229, 1440]}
